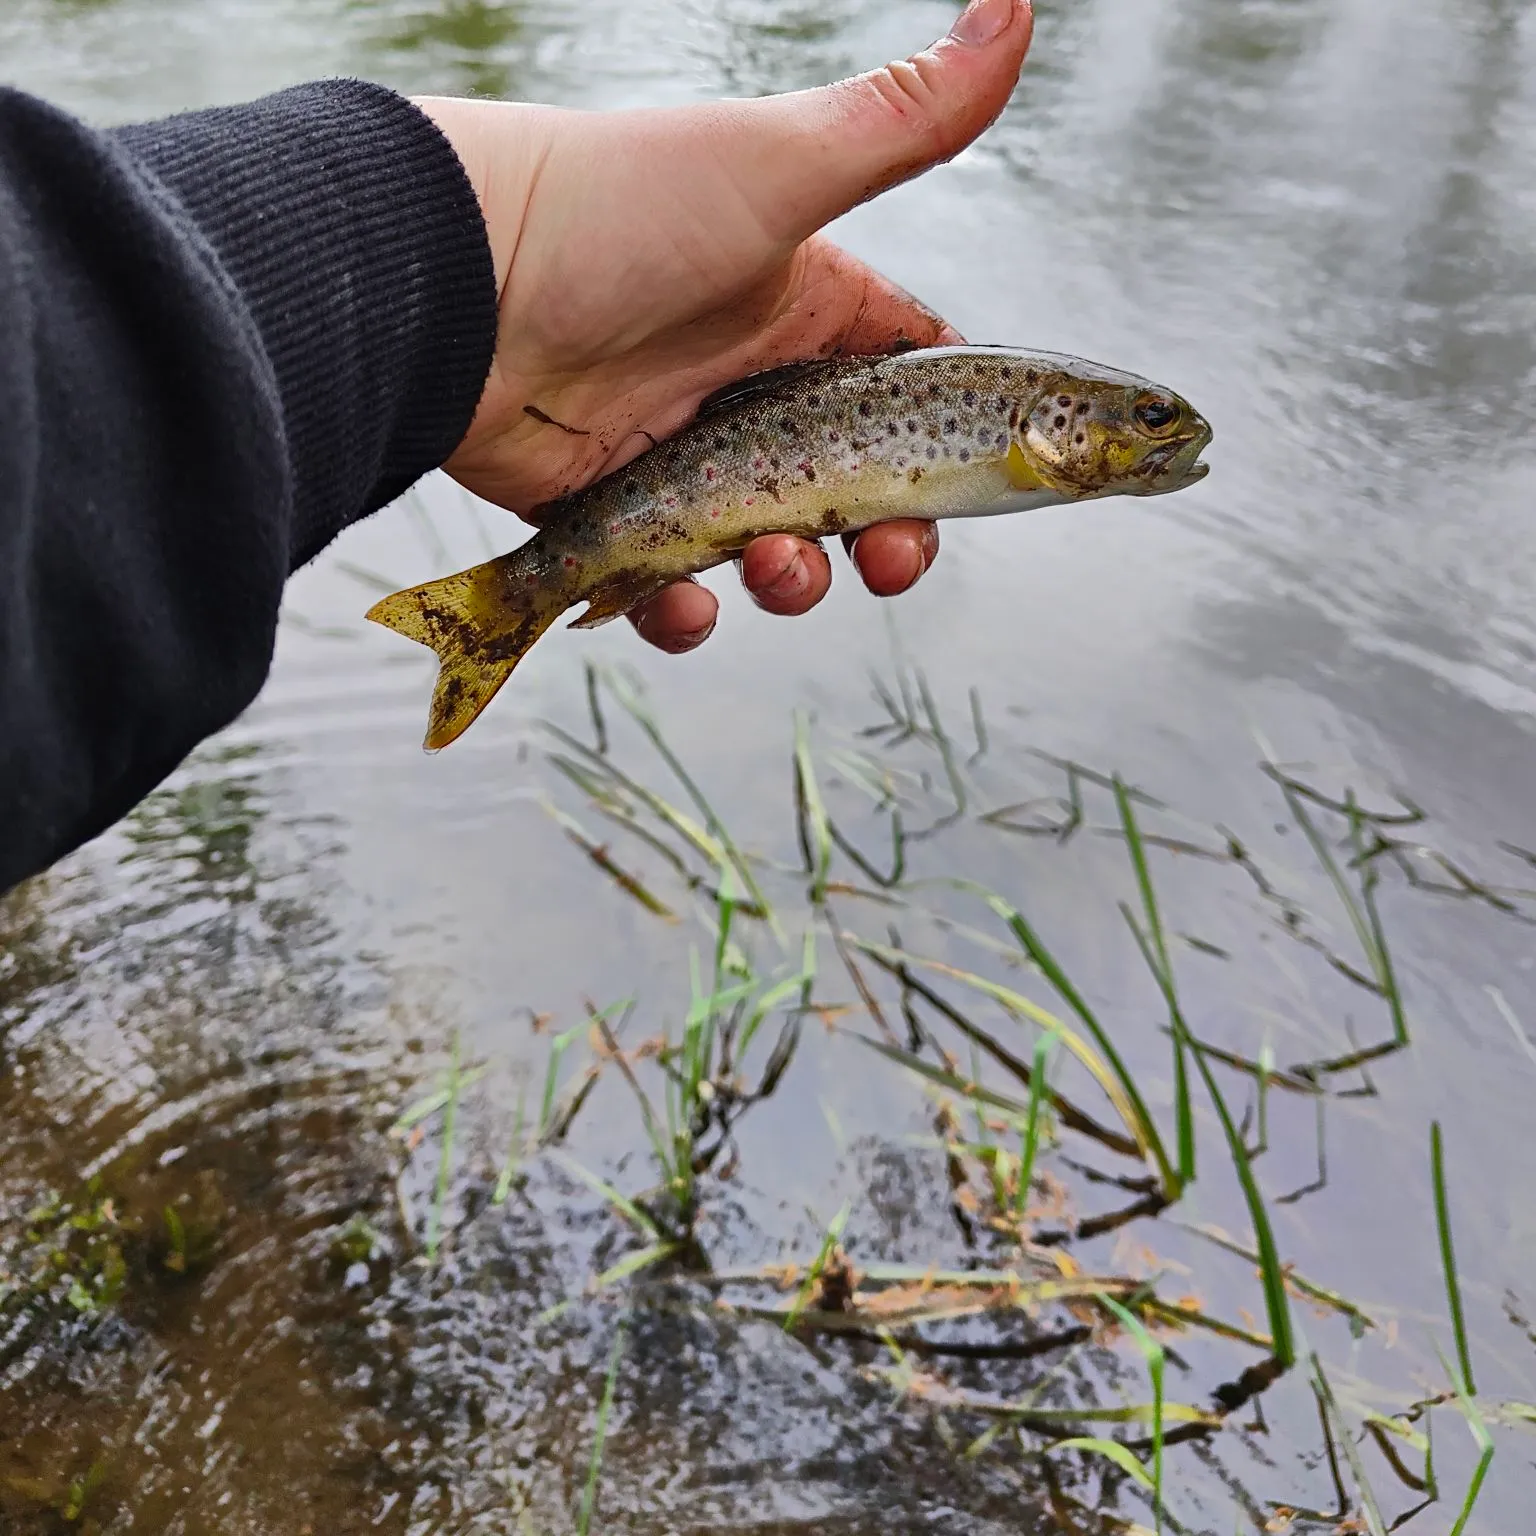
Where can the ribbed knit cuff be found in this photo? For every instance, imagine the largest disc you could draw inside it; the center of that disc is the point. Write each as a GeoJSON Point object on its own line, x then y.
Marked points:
{"type": "Point", "coordinates": [345, 221]}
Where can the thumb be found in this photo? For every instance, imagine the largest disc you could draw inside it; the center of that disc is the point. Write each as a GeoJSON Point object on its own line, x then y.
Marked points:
{"type": "Point", "coordinates": [812, 155]}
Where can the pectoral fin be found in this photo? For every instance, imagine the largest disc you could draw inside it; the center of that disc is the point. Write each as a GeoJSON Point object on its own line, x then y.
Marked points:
{"type": "Point", "coordinates": [1022, 475]}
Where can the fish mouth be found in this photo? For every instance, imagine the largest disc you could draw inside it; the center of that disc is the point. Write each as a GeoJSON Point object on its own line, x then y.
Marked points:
{"type": "Point", "coordinates": [1178, 464]}
{"type": "Point", "coordinates": [1173, 467]}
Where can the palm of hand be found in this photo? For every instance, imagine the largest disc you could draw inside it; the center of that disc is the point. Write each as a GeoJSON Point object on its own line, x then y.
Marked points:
{"type": "Point", "coordinates": [641, 280]}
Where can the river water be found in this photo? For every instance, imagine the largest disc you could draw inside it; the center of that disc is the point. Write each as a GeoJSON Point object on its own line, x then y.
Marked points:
{"type": "Point", "coordinates": [1317, 220]}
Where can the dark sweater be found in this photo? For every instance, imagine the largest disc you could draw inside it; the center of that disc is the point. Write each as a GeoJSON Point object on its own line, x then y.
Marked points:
{"type": "Point", "coordinates": [223, 337]}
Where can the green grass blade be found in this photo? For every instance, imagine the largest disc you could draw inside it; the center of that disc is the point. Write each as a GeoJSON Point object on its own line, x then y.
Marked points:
{"type": "Point", "coordinates": [1145, 1129]}
{"type": "Point", "coordinates": [1162, 969]}
{"type": "Point", "coordinates": [1156, 1358]}
{"type": "Point", "coordinates": [424, 1108]}
{"type": "Point", "coordinates": [942, 1079]}
{"type": "Point", "coordinates": [1276, 1298]}
{"type": "Point", "coordinates": [780, 993]}
{"type": "Point", "coordinates": [636, 709]}
{"type": "Point", "coordinates": [1030, 1141]}
{"type": "Point", "coordinates": [1113, 1450]}
{"type": "Point", "coordinates": [620, 1202]}
{"type": "Point", "coordinates": [1118, 1087]}
{"type": "Point", "coordinates": [1466, 1385]}
{"type": "Point", "coordinates": [815, 832]}
{"type": "Point", "coordinates": [1337, 1428]}
{"type": "Point", "coordinates": [514, 1155]}
{"type": "Point", "coordinates": [599, 1435]}
{"type": "Point", "coordinates": [633, 1263]}
{"type": "Point", "coordinates": [828, 1243]}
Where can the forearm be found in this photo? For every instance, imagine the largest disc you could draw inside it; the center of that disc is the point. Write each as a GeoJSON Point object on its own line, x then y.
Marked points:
{"type": "Point", "coordinates": [226, 336]}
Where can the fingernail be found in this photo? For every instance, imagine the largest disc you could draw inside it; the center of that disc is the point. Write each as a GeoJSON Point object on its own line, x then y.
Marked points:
{"type": "Point", "coordinates": [691, 640]}
{"type": "Point", "coordinates": [791, 582]}
{"type": "Point", "coordinates": [982, 21]}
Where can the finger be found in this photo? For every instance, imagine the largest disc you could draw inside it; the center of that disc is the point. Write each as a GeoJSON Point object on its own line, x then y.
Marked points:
{"type": "Point", "coordinates": [816, 154]}
{"type": "Point", "coordinates": [785, 574]}
{"type": "Point", "coordinates": [891, 557]}
{"type": "Point", "coordinates": [678, 618]}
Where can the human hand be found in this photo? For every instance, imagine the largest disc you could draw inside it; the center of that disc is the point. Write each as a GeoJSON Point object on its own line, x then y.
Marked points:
{"type": "Point", "coordinates": [645, 258]}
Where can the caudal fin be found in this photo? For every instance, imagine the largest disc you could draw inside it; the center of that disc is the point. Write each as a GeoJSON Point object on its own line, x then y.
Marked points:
{"type": "Point", "coordinates": [481, 623]}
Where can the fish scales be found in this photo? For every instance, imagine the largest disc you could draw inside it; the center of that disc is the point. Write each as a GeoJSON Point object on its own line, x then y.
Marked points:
{"type": "Point", "coordinates": [815, 450]}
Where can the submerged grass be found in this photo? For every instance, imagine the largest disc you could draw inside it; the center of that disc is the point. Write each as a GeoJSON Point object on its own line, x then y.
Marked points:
{"type": "Point", "coordinates": [599, 1436]}
{"type": "Point", "coordinates": [1022, 1293]}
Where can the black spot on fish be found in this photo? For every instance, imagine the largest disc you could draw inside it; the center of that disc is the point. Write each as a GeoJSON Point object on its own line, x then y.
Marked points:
{"type": "Point", "coordinates": [933, 452]}
{"type": "Point", "coordinates": [1006, 373]}
{"type": "Point", "coordinates": [1002, 402]}
{"type": "Point", "coordinates": [1001, 441]}
{"type": "Point", "coordinates": [964, 455]}
{"type": "Point", "coordinates": [813, 401]}
{"type": "Point", "coordinates": [1079, 439]}
{"type": "Point", "coordinates": [1063, 399]}
{"type": "Point", "coordinates": [915, 474]}
{"type": "Point", "coordinates": [787, 425]}
{"type": "Point", "coordinates": [865, 408]}
{"type": "Point", "coordinates": [951, 426]}
{"type": "Point", "coordinates": [968, 399]}
{"type": "Point", "coordinates": [891, 429]}
{"type": "Point", "coordinates": [1061, 421]}
{"type": "Point", "coordinates": [895, 391]}
{"type": "Point", "coordinates": [1083, 407]}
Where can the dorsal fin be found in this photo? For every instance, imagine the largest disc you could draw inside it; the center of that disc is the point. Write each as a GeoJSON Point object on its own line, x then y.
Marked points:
{"type": "Point", "coordinates": [768, 380]}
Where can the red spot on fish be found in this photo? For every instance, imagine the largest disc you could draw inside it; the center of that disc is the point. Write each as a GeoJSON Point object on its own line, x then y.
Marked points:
{"type": "Point", "coordinates": [613, 527]}
{"type": "Point", "coordinates": [570, 560]}
{"type": "Point", "coordinates": [807, 468]}
{"type": "Point", "coordinates": [749, 501]}
{"type": "Point", "coordinates": [709, 471]}
{"type": "Point", "coordinates": [759, 462]}
{"type": "Point", "coordinates": [714, 511]}
{"type": "Point", "coordinates": [530, 581]}
{"type": "Point", "coordinates": [671, 501]}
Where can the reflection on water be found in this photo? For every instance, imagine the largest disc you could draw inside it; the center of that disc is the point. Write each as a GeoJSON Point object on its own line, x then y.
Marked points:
{"type": "Point", "coordinates": [464, 48]}
{"type": "Point", "coordinates": [1316, 216]}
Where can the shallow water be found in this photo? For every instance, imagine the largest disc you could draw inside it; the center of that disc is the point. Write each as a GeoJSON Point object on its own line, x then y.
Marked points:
{"type": "Point", "coordinates": [1316, 219]}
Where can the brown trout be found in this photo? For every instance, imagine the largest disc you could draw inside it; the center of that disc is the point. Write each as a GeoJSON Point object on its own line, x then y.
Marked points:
{"type": "Point", "coordinates": [812, 449]}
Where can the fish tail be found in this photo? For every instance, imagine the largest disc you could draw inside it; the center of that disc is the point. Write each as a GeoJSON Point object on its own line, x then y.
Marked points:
{"type": "Point", "coordinates": [481, 622]}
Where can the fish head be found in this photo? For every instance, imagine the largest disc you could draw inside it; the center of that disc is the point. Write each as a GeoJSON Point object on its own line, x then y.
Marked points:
{"type": "Point", "coordinates": [1096, 432]}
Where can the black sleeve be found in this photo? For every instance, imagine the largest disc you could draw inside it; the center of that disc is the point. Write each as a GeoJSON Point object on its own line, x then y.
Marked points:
{"type": "Point", "coordinates": [223, 337]}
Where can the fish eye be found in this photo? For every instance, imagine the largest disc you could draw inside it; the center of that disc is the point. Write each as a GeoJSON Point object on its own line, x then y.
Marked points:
{"type": "Point", "coordinates": [1156, 414]}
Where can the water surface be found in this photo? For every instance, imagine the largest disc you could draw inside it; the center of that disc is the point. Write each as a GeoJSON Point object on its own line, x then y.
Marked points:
{"type": "Point", "coordinates": [1313, 217]}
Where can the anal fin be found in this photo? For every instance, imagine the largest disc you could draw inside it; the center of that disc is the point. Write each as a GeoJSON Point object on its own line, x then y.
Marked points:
{"type": "Point", "coordinates": [615, 599]}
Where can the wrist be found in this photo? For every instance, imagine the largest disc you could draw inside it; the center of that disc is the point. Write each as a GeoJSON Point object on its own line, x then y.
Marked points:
{"type": "Point", "coordinates": [502, 146]}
